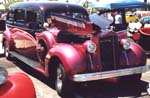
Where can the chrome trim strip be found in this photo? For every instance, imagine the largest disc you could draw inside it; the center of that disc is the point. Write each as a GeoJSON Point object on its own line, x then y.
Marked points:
{"type": "Point", "coordinates": [126, 57]}
{"type": "Point", "coordinates": [110, 74]}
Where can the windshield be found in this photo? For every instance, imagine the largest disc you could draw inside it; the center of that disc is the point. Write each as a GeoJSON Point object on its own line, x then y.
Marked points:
{"type": "Point", "coordinates": [74, 13]}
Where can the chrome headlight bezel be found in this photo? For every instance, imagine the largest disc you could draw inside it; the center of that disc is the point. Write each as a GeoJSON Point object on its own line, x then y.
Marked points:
{"type": "Point", "coordinates": [91, 47]}
{"type": "Point", "coordinates": [3, 75]}
{"type": "Point", "coordinates": [126, 45]}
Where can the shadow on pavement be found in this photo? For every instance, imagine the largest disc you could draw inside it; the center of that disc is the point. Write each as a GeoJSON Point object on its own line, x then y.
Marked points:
{"type": "Point", "coordinates": [148, 55]}
{"type": "Point", "coordinates": [1, 55]}
{"type": "Point", "coordinates": [96, 89]}
{"type": "Point", "coordinates": [111, 90]}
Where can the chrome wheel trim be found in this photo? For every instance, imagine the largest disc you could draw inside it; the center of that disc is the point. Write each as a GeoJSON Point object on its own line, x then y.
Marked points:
{"type": "Point", "coordinates": [59, 81]}
{"type": "Point", "coordinates": [6, 50]}
{"type": "Point", "coordinates": [148, 89]}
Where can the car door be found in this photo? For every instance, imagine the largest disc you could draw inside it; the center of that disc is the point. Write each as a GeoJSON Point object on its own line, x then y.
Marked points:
{"type": "Point", "coordinates": [18, 22]}
{"type": "Point", "coordinates": [24, 39]}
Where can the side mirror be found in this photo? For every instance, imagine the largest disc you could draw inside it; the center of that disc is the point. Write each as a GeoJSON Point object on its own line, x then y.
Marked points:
{"type": "Point", "coordinates": [2, 25]}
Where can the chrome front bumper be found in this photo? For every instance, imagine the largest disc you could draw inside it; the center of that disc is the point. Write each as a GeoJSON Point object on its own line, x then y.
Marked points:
{"type": "Point", "coordinates": [109, 74]}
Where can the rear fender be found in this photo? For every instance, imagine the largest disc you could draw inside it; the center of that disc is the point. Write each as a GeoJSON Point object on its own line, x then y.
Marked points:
{"type": "Point", "coordinates": [7, 37]}
{"type": "Point", "coordinates": [74, 60]}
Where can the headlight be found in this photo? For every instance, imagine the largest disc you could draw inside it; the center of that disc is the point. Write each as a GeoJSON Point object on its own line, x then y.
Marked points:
{"type": "Point", "coordinates": [91, 47]}
{"type": "Point", "coordinates": [126, 45]}
{"type": "Point", "coordinates": [3, 75]}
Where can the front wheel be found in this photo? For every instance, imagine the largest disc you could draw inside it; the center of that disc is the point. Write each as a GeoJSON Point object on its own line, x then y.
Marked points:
{"type": "Point", "coordinates": [62, 84]}
{"type": "Point", "coordinates": [6, 50]}
{"type": "Point", "coordinates": [131, 79]}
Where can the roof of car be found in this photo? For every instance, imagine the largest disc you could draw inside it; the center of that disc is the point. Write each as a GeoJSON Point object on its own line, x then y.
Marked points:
{"type": "Point", "coordinates": [39, 3]}
{"type": "Point", "coordinates": [47, 5]}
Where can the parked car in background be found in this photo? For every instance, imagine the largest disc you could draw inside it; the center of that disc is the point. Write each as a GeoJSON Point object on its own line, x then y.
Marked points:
{"type": "Point", "coordinates": [142, 14]}
{"type": "Point", "coordinates": [145, 20]}
{"type": "Point", "coordinates": [131, 17]}
{"type": "Point", "coordinates": [59, 41]}
{"type": "Point", "coordinates": [140, 32]}
{"type": "Point", "coordinates": [15, 85]}
{"type": "Point", "coordinates": [145, 33]}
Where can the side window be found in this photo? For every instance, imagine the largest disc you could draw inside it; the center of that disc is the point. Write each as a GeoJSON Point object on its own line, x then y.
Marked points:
{"type": "Point", "coordinates": [32, 20]}
{"type": "Point", "coordinates": [20, 16]}
{"type": "Point", "coordinates": [10, 16]}
{"type": "Point", "coordinates": [79, 16]}
{"type": "Point", "coordinates": [31, 16]}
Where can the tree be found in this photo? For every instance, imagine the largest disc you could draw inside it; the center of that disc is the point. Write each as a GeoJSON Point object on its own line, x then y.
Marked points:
{"type": "Point", "coordinates": [11, 2]}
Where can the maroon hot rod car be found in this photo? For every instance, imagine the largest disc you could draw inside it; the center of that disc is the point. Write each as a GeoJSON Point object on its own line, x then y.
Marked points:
{"type": "Point", "coordinates": [60, 41]}
{"type": "Point", "coordinates": [15, 85]}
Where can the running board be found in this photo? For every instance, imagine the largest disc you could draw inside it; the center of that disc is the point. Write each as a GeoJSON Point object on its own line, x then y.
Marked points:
{"type": "Point", "coordinates": [24, 59]}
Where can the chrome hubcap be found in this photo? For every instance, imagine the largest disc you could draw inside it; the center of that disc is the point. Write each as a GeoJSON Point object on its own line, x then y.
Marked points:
{"type": "Point", "coordinates": [6, 51]}
{"type": "Point", "coordinates": [148, 89]}
{"type": "Point", "coordinates": [59, 79]}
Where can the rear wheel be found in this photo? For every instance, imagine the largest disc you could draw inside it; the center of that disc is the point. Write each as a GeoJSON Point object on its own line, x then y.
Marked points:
{"type": "Point", "coordinates": [42, 51]}
{"type": "Point", "coordinates": [62, 84]}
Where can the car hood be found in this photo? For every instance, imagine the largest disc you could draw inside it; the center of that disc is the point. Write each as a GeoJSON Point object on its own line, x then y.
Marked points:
{"type": "Point", "coordinates": [100, 21]}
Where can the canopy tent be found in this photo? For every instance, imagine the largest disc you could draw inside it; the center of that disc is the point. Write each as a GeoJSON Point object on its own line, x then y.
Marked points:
{"type": "Point", "coordinates": [118, 4]}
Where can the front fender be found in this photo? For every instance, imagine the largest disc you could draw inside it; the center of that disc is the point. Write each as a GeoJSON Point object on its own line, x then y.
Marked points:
{"type": "Point", "coordinates": [135, 56]}
{"type": "Point", "coordinates": [140, 53]}
{"type": "Point", "coordinates": [18, 85]}
{"type": "Point", "coordinates": [73, 59]}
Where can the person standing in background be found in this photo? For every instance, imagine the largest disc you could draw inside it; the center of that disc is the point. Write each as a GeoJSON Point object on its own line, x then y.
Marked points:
{"type": "Point", "coordinates": [118, 18]}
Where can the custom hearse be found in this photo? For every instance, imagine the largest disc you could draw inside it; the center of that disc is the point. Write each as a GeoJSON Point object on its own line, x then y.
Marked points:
{"type": "Point", "coordinates": [12, 85]}
{"type": "Point", "coordinates": [60, 41]}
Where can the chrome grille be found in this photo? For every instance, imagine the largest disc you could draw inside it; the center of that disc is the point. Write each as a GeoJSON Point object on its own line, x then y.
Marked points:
{"type": "Point", "coordinates": [109, 51]}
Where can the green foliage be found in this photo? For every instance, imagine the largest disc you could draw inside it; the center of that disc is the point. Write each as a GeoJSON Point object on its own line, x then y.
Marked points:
{"type": "Point", "coordinates": [13, 1]}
